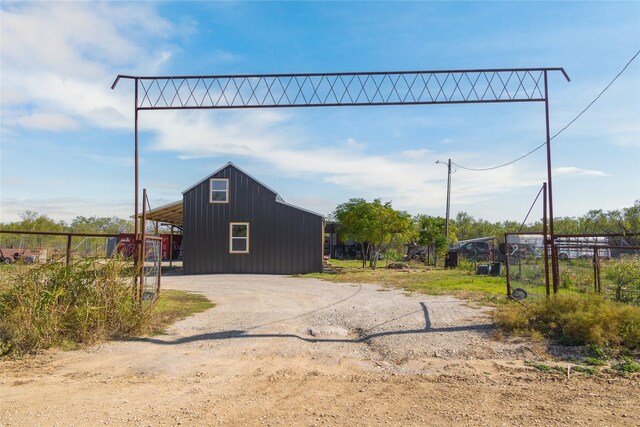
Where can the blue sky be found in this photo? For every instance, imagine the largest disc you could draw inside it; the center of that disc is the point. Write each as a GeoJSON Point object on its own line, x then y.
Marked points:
{"type": "Point", "coordinates": [67, 138]}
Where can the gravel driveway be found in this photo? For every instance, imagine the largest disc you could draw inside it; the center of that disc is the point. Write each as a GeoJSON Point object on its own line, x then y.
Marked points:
{"type": "Point", "coordinates": [282, 351]}
{"type": "Point", "coordinates": [365, 322]}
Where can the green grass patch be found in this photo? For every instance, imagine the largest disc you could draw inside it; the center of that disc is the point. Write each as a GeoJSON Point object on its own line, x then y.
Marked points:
{"type": "Point", "coordinates": [594, 361]}
{"type": "Point", "coordinates": [589, 370]}
{"type": "Point", "coordinates": [429, 280]}
{"type": "Point", "coordinates": [53, 305]}
{"type": "Point", "coordinates": [176, 305]}
{"type": "Point", "coordinates": [577, 320]}
{"type": "Point", "coordinates": [538, 365]}
{"type": "Point", "coordinates": [627, 366]}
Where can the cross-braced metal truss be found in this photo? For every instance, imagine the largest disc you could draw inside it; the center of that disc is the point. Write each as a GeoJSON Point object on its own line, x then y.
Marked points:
{"type": "Point", "coordinates": [346, 89]}
{"type": "Point", "coordinates": [341, 89]}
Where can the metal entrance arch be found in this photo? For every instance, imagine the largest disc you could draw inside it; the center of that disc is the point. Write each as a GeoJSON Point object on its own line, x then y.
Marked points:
{"type": "Point", "coordinates": [479, 86]}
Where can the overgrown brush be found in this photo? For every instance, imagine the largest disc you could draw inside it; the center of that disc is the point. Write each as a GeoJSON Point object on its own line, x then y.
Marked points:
{"type": "Point", "coordinates": [576, 320]}
{"type": "Point", "coordinates": [52, 304]}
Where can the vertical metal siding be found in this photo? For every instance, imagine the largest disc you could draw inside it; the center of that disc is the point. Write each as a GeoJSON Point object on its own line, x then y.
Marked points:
{"type": "Point", "coordinates": [282, 239]}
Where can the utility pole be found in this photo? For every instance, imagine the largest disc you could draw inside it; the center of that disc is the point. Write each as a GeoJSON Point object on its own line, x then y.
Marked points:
{"type": "Point", "coordinates": [448, 196]}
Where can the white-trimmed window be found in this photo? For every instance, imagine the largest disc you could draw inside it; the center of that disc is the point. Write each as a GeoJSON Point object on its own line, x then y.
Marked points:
{"type": "Point", "coordinates": [219, 190]}
{"type": "Point", "coordinates": [239, 238]}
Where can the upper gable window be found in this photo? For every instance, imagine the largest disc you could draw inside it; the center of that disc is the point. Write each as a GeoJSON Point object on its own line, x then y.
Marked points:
{"type": "Point", "coordinates": [219, 190]}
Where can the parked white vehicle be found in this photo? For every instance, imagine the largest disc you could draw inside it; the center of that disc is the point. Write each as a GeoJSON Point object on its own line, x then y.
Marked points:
{"type": "Point", "coordinates": [582, 247]}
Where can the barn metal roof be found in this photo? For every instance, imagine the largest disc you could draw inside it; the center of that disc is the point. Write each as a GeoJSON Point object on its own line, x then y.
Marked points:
{"type": "Point", "coordinates": [241, 170]}
{"type": "Point", "coordinates": [172, 213]}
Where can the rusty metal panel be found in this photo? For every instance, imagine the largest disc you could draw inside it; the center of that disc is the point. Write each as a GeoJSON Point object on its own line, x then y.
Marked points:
{"type": "Point", "coordinates": [282, 239]}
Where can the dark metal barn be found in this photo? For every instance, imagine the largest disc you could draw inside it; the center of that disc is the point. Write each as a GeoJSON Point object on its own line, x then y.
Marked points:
{"type": "Point", "coordinates": [232, 223]}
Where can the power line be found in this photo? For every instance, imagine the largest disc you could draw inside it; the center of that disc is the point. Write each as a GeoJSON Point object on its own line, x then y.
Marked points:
{"type": "Point", "coordinates": [560, 131]}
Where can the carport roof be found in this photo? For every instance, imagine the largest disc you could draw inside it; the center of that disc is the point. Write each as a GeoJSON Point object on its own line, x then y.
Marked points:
{"type": "Point", "coordinates": [171, 213]}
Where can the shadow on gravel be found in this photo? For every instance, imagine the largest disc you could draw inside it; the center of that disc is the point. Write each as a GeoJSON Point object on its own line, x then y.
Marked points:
{"type": "Point", "coordinates": [363, 335]}
{"type": "Point", "coordinates": [224, 335]}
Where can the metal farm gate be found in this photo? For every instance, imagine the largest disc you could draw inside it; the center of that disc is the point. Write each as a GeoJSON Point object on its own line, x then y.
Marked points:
{"type": "Point", "coordinates": [602, 264]}
{"type": "Point", "coordinates": [473, 86]}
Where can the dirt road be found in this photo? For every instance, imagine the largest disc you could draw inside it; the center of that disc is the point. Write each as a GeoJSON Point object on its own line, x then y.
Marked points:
{"type": "Point", "coordinates": [292, 351]}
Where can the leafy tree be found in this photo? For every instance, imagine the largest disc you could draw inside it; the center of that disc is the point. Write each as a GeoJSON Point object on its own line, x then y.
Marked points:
{"type": "Point", "coordinates": [631, 218]}
{"type": "Point", "coordinates": [596, 221]}
{"type": "Point", "coordinates": [431, 231]}
{"type": "Point", "coordinates": [465, 224]}
{"type": "Point", "coordinates": [109, 225]}
{"type": "Point", "coordinates": [355, 218]}
{"type": "Point", "coordinates": [374, 223]}
{"type": "Point", "coordinates": [389, 224]}
{"type": "Point", "coordinates": [32, 221]}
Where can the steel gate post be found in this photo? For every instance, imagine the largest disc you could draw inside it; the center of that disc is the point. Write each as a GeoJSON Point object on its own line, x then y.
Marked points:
{"type": "Point", "coordinates": [545, 242]}
{"type": "Point", "coordinates": [594, 260]}
{"type": "Point", "coordinates": [142, 245]}
{"type": "Point", "coordinates": [171, 247]}
{"type": "Point", "coordinates": [506, 263]}
{"type": "Point", "coordinates": [554, 259]}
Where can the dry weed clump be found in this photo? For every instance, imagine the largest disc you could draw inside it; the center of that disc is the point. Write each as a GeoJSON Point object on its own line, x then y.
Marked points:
{"type": "Point", "coordinates": [57, 305]}
{"type": "Point", "coordinates": [576, 320]}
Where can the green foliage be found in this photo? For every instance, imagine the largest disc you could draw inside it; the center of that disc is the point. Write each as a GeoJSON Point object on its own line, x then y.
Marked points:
{"type": "Point", "coordinates": [432, 231]}
{"type": "Point", "coordinates": [627, 366]}
{"type": "Point", "coordinates": [490, 290]}
{"type": "Point", "coordinates": [372, 222]}
{"type": "Point", "coordinates": [176, 305]}
{"type": "Point", "coordinates": [393, 254]}
{"type": "Point", "coordinates": [594, 361]}
{"type": "Point", "coordinates": [597, 351]}
{"type": "Point", "coordinates": [109, 225]}
{"type": "Point", "coordinates": [589, 370]}
{"type": "Point", "coordinates": [55, 305]}
{"type": "Point", "coordinates": [48, 305]}
{"type": "Point", "coordinates": [577, 275]}
{"type": "Point", "coordinates": [624, 273]}
{"type": "Point", "coordinates": [626, 220]}
{"type": "Point", "coordinates": [33, 221]}
{"type": "Point", "coordinates": [577, 320]}
{"type": "Point", "coordinates": [538, 365]}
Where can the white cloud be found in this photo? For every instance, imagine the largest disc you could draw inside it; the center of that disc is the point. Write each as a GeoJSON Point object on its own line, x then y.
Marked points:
{"type": "Point", "coordinates": [574, 171]}
{"type": "Point", "coordinates": [125, 161]}
{"type": "Point", "coordinates": [417, 154]}
{"type": "Point", "coordinates": [48, 121]}
{"type": "Point", "coordinates": [197, 134]}
{"type": "Point", "coordinates": [63, 56]}
{"type": "Point", "coordinates": [411, 178]}
{"type": "Point", "coordinates": [351, 142]}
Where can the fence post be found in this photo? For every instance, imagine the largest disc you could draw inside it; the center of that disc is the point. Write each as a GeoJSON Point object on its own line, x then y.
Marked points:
{"type": "Point", "coordinates": [170, 248]}
{"type": "Point", "coordinates": [545, 242]}
{"type": "Point", "coordinates": [506, 263]}
{"type": "Point", "coordinates": [596, 270]}
{"type": "Point", "coordinates": [142, 244]}
{"type": "Point", "coordinates": [68, 249]}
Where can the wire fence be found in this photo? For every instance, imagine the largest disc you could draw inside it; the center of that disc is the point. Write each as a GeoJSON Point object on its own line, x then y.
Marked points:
{"type": "Point", "coordinates": [524, 265]}
{"type": "Point", "coordinates": [32, 247]}
{"type": "Point", "coordinates": [151, 268]}
{"type": "Point", "coordinates": [40, 247]}
{"type": "Point", "coordinates": [606, 265]}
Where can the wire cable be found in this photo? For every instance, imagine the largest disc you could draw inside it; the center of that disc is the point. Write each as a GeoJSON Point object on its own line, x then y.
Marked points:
{"type": "Point", "coordinates": [560, 131]}
{"type": "Point", "coordinates": [530, 209]}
